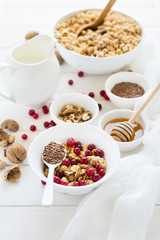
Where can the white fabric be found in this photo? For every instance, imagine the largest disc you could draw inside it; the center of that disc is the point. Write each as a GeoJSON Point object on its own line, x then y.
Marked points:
{"type": "Point", "coordinates": [121, 208]}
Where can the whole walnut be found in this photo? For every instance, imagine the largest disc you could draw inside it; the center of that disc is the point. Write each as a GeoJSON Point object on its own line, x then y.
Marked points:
{"type": "Point", "coordinates": [12, 125]}
{"type": "Point", "coordinates": [16, 153]}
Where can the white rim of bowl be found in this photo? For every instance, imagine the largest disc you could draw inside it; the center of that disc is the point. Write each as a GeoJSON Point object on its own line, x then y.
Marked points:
{"type": "Point", "coordinates": [80, 94]}
{"type": "Point", "coordinates": [89, 57]}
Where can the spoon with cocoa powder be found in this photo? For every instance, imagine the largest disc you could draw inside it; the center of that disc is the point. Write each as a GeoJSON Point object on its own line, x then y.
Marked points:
{"type": "Point", "coordinates": [53, 155]}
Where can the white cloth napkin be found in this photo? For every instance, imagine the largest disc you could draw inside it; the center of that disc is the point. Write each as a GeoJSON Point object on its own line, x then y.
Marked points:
{"type": "Point", "coordinates": [121, 208]}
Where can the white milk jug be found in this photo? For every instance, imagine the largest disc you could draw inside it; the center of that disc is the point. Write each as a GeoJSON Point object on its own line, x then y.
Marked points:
{"type": "Point", "coordinates": [31, 72]}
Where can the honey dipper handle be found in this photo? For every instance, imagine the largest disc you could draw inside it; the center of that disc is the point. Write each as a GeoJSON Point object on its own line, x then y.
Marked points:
{"type": "Point", "coordinates": [141, 108]}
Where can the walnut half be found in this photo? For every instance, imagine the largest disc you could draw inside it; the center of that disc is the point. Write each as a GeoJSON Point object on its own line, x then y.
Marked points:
{"type": "Point", "coordinates": [13, 174]}
{"type": "Point", "coordinates": [5, 138]}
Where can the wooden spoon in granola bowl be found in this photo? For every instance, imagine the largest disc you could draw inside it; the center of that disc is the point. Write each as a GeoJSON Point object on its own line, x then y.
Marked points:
{"type": "Point", "coordinates": [53, 155]}
{"type": "Point", "coordinates": [99, 20]}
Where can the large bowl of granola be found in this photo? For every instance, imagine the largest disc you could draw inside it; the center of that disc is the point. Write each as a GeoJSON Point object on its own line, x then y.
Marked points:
{"type": "Point", "coordinates": [92, 157]}
{"type": "Point", "coordinates": [104, 50]}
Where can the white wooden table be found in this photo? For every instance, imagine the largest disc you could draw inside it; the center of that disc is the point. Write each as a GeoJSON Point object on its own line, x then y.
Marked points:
{"type": "Point", "coordinates": [21, 215]}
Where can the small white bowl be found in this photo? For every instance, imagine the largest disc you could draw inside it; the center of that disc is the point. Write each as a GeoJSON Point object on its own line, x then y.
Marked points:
{"type": "Point", "coordinates": [124, 113]}
{"type": "Point", "coordinates": [80, 100]}
{"type": "Point", "coordinates": [86, 134]}
{"type": "Point", "coordinates": [132, 77]}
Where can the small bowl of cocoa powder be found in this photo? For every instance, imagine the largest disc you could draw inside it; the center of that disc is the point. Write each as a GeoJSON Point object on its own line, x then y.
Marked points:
{"type": "Point", "coordinates": [125, 88]}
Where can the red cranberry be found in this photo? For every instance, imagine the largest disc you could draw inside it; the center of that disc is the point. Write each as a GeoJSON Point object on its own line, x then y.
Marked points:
{"type": "Point", "coordinates": [70, 82]}
{"type": "Point", "coordinates": [36, 115]}
{"type": "Point", "coordinates": [44, 107]}
{"type": "Point", "coordinates": [106, 97]}
{"type": "Point", "coordinates": [70, 142]}
{"type": "Point", "coordinates": [102, 93]}
{"type": "Point", "coordinates": [77, 151]}
{"type": "Point", "coordinates": [53, 123]}
{"type": "Point", "coordinates": [100, 106]}
{"type": "Point", "coordinates": [24, 136]}
{"type": "Point", "coordinates": [77, 143]}
{"type": "Point", "coordinates": [60, 173]}
{"type": "Point", "coordinates": [99, 153]}
{"type": "Point", "coordinates": [82, 183]}
{"type": "Point", "coordinates": [31, 112]}
{"type": "Point", "coordinates": [76, 184]}
{"type": "Point", "coordinates": [45, 110]}
{"type": "Point", "coordinates": [64, 183]}
{"type": "Point", "coordinates": [102, 172]}
{"type": "Point", "coordinates": [91, 94]}
{"type": "Point", "coordinates": [43, 182]}
{"type": "Point", "coordinates": [90, 171]}
{"type": "Point", "coordinates": [46, 124]}
{"type": "Point", "coordinates": [49, 126]}
{"type": "Point", "coordinates": [80, 74]}
{"type": "Point", "coordinates": [33, 128]}
{"type": "Point", "coordinates": [84, 160]}
{"type": "Point", "coordinates": [57, 180]}
{"type": "Point", "coordinates": [80, 147]}
{"type": "Point", "coordinates": [91, 147]}
{"type": "Point", "coordinates": [73, 162]}
{"type": "Point", "coordinates": [98, 166]}
{"type": "Point", "coordinates": [96, 177]}
{"type": "Point", "coordinates": [66, 162]}
{"type": "Point", "coordinates": [88, 153]}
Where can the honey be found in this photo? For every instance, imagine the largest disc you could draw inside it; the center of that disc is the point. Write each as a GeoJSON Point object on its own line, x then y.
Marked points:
{"type": "Point", "coordinates": [137, 128]}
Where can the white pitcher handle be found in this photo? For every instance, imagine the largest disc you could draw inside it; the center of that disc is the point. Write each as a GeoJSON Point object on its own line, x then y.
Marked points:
{"type": "Point", "coordinates": [2, 67]}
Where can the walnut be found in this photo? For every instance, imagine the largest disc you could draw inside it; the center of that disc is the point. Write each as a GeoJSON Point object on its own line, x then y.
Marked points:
{"type": "Point", "coordinates": [10, 124]}
{"type": "Point", "coordinates": [5, 138]}
{"type": "Point", "coordinates": [16, 153]}
{"type": "Point", "coordinates": [31, 34]}
{"type": "Point", "coordinates": [60, 59]}
{"type": "Point", "coordinates": [75, 168]}
{"type": "Point", "coordinates": [2, 164]}
{"type": "Point", "coordinates": [13, 174]}
{"type": "Point", "coordinates": [86, 116]}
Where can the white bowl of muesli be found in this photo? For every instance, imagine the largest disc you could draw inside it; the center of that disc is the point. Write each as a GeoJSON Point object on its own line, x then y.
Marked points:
{"type": "Point", "coordinates": [92, 156]}
{"type": "Point", "coordinates": [107, 49]}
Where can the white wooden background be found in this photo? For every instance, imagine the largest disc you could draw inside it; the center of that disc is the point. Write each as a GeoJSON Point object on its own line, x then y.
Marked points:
{"type": "Point", "coordinates": [21, 216]}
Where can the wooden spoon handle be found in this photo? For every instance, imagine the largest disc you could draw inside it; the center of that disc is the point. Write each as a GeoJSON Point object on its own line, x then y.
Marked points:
{"type": "Point", "coordinates": [99, 20]}
{"type": "Point", "coordinates": [141, 108]}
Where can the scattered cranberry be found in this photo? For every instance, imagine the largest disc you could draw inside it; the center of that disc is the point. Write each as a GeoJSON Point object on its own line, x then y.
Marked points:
{"type": "Point", "coordinates": [43, 182]}
{"type": "Point", "coordinates": [100, 106]}
{"type": "Point", "coordinates": [60, 173]}
{"type": "Point", "coordinates": [57, 180]}
{"type": "Point", "coordinates": [84, 160]}
{"type": "Point", "coordinates": [64, 183]}
{"type": "Point", "coordinates": [77, 151]}
{"type": "Point", "coordinates": [70, 142]}
{"type": "Point", "coordinates": [102, 93]}
{"type": "Point", "coordinates": [46, 124]}
{"type": "Point", "coordinates": [80, 74]}
{"type": "Point", "coordinates": [53, 123]}
{"type": "Point", "coordinates": [80, 147]}
{"type": "Point", "coordinates": [24, 136]}
{"type": "Point", "coordinates": [76, 184]}
{"type": "Point", "coordinates": [31, 112]}
{"type": "Point", "coordinates": [77, 143]}
{"type": "Point", "coordinates": [98, 166]}
{"type": "Point", "coordinates": [91, 147]}
{"type": "Point", "coordinates": [88, 153]}
{"type": "Point", "coordinates": [102, 172]}
{"type": "Point", "coordinates": [45, 110]}
{"type": "Point", "coordinates": [96, 177]}
{"type": "Point", "coordinates": [44, 107]}
{"type": "Point", "coordinates": [49, 126]}
{"type": "Point", "coordinates": [70, 82]}
{"type": "Point", "coordinates": [106, 97]}
{"type": "Point", "coordinates": [91, 94]}
{"type": "Point", "coordinates": [73, 162]}
{"type": "Point", "coordinates": [66, 162]}
{"type": "Point", "coordinates": [90, 171]}
{"type": "Point", "coordinates": [33, 128]}
{"type": "Point", "coordinates": [36, 115]}
{"type": "Point", "coordinates": [82, 183]}
{"type": "Point", "coordinates": [99, 153]}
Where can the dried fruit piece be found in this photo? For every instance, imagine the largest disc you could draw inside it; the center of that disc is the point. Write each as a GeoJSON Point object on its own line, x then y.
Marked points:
{"type": "Point", "coordinates": [2, 164]}
{"type": "Point", "coordinates": [16, 153]}
{"type": "Point", "coordinates": [60, 59]}
{"type": "Point", "coordinates": [12, 125]}
{"type": "Point", "coordinates": [5, 138]}
{"type": "Point", "coordinates": [13, 174]}
{"type": "Point", "coordinates": [31, 34]}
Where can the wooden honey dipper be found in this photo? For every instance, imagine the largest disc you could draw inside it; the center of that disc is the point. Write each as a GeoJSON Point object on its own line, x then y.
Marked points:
{"type": "Point", "coordinates": [123, 132]}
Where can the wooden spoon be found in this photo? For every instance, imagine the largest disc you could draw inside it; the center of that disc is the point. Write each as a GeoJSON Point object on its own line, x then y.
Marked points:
{"type": "Point", "coordinates": [99, 20]}
{"type": "Point", "coordinates": [123, 132]}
